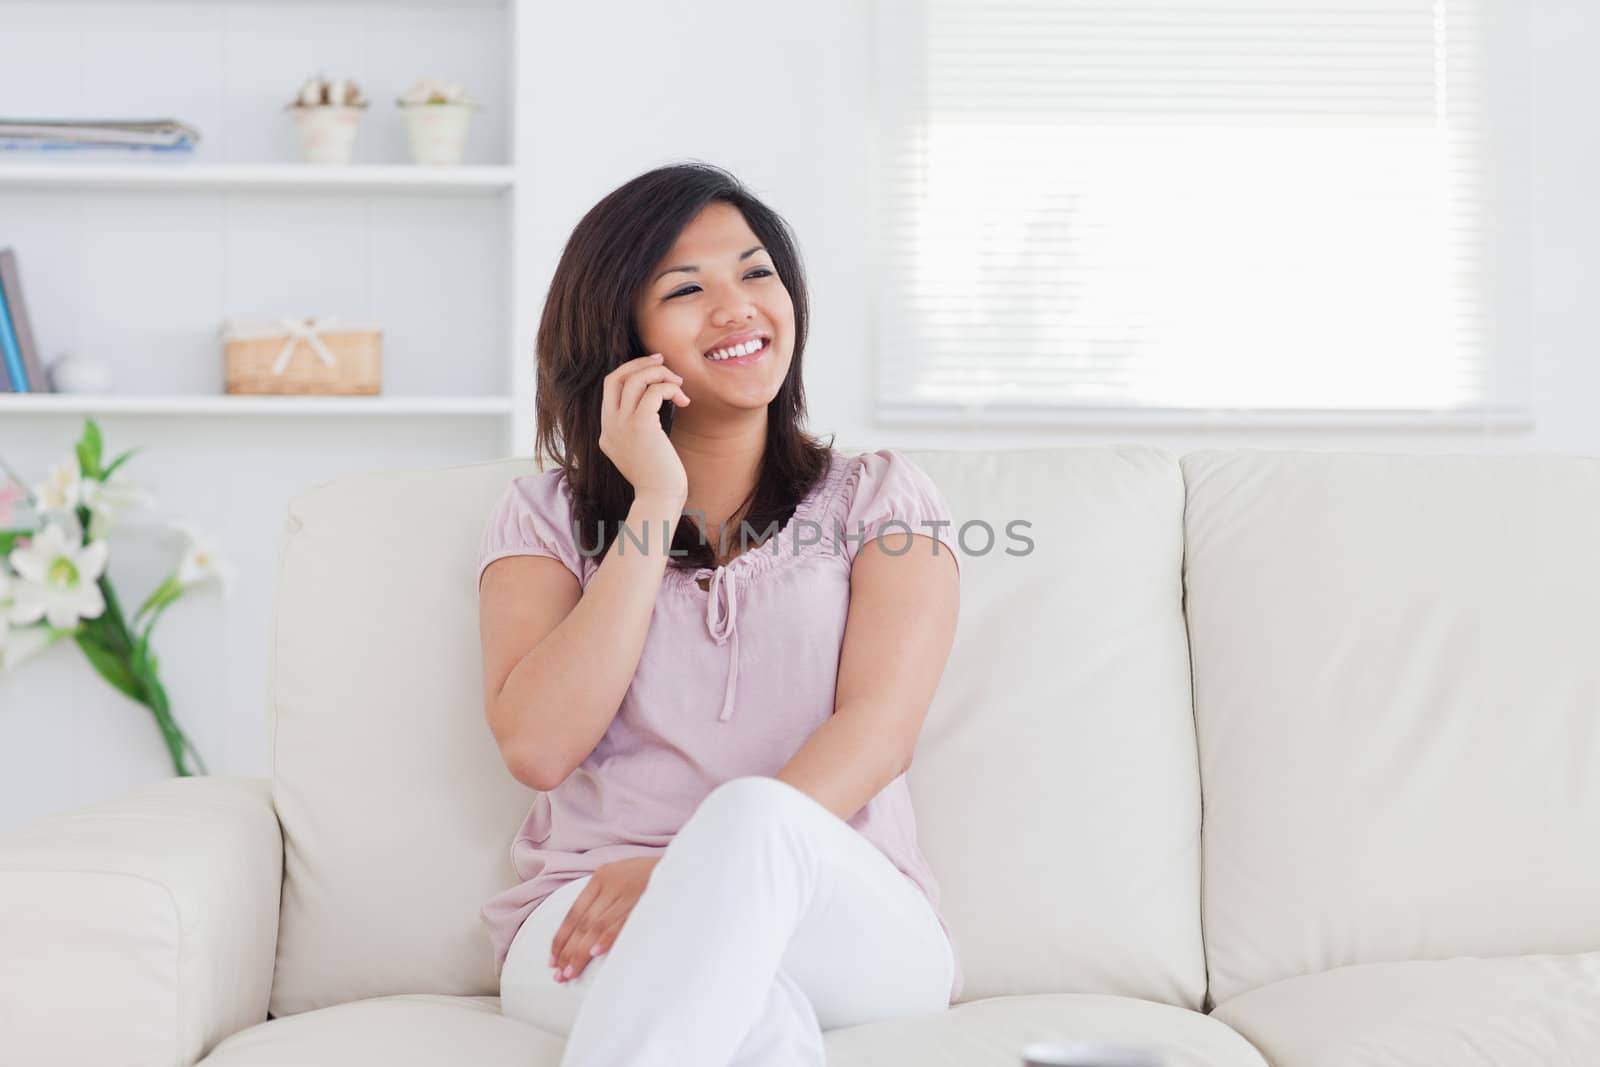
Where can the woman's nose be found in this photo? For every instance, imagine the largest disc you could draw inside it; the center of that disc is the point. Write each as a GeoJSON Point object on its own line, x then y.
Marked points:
{"type": "Point", "coordinates": [733, 317]}
{"type": "Point", "coordinates": [731, 304]}
{"type": "Point", "coordinates": [729, 314]}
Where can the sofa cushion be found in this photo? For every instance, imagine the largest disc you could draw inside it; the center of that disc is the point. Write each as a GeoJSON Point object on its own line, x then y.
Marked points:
{"type": "Point", "coordinates": [154, 914]}
{"type": "Point", "coordinates": [1395, 686]}
{"type": "Point", "coordinates": [1055, 782]}
{"type": "Point", "coordinates": [1528, 1011]}
{"type": "Point", "coordinates": [419, 1030]}
{"type": "Point", "coordinates": [993, 1033]}
{"type": "Point", "coordinates": [422, 1031]}
{"type": "Point", "coordinates": [397, 810]}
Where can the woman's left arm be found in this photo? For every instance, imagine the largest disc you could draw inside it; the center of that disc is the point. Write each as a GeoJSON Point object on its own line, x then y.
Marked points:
{"type": "Point", "coordinates": [898, 635]}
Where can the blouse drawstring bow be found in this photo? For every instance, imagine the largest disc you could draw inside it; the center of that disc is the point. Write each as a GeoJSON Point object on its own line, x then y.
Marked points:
{"type": "Point", "coordinates": [722, 609]}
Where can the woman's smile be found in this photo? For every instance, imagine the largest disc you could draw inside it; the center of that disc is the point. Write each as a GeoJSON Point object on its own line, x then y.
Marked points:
{"type": "Point", "coordinates": [741, 355]}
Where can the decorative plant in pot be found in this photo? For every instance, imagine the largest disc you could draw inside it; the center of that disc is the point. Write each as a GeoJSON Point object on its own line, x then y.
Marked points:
{"type": "Point", "coordinates": [54, 585]}
{"type": "Point", "coordinates": [438, 116]}
{"type": "Point", "coordinates": [327, 112]}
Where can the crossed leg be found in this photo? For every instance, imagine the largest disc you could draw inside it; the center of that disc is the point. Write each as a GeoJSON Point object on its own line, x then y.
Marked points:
{"type": "Point", "coordinates": [768, 920]}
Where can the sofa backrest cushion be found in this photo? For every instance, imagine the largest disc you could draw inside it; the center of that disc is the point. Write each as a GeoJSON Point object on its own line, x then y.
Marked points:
{"type": "Point", "coordinates": [1055, 782]}
{"type": "Point", "coordinates": [396, 807]}
{"type": "Point", "coordinates": [1396, 688]}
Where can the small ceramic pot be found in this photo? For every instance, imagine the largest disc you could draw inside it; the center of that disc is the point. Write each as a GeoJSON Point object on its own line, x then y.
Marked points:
{"type": "Point", "coordinates": [73, 374]}
{"type": "Point", "coordinates": [438, 132]}
{"type": "Point", "coordinates": [328, 132]}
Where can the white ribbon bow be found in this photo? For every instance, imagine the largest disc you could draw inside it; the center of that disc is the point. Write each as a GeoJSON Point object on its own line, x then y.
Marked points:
{"type": "Point", "coordinates": [305, 330]}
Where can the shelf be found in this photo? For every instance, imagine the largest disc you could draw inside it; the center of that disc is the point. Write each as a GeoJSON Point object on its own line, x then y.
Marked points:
{"type": "Point", "coordinates": [189, 175]}
{"type": "Point", "coordinates": [86, 404]}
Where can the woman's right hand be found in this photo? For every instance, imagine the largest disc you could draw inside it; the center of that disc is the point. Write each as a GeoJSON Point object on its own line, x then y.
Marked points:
{"type": "Point", "coordinates": [630, 426]}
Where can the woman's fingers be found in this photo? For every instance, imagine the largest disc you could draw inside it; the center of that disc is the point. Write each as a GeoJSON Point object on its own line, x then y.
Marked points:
{"type": "Point", "coordinates": [636, 384]}
{"type": "Point", "coordinates": [640, 448]}
{"type": "Point", "coordinates": [573, 921]}
{"type": "Point", "coordinates": [611, 385]}
{"type": "Point", "coordinates": [570, 963]}
{"type": "Point", "coordinates": [593, 937]}
{"type": "Point", "coordinates": [598, 939]}
{"type": "Point", "coordinates": [657, 394]}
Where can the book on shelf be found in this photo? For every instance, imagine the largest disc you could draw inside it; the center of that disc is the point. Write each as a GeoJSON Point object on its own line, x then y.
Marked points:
{"type": "Point", "coordinates": [25, 134]}
{"type": "Point", "coordinates": [64, 148]}
{"type": "Point", "coordinates": [24, 373]}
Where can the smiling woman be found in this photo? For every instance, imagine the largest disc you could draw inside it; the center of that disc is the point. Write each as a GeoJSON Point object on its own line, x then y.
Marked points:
{"type": "Point", "coordinates": [718, 221]}
{"type": "Point", "coordinates": [722, 307]}
{"type": "Point", "coordinates": [718, 738]}
{"type": "Point", "coordinates": [683, 261]}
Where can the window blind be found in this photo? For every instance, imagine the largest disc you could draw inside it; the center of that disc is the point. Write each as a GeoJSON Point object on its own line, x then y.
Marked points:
{"type": "Point", "coordinates": [1184, 205]}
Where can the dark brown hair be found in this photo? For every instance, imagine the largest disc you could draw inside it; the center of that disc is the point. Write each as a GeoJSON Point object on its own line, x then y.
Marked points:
{"type": "Point", "coordinates": [587, 331]}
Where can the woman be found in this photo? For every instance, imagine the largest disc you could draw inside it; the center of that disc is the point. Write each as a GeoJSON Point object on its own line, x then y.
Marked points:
{"type": "Point", "coordinates": [722, 859]}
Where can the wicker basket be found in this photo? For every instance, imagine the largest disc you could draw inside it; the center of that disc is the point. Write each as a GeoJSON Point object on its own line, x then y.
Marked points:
{"type": "Point", "coordinates": [302, 357]}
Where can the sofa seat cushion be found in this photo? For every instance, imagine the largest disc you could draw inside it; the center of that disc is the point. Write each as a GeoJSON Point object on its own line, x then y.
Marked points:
{"type": "Point", "coordinates": [407, 1030]}
{"type": "Point", "coordinates": [1518, 1011]}
{"type": "Point", "coordinates": [418, 1030]}
{"type": "Point", "coordinates": [993, 1033]}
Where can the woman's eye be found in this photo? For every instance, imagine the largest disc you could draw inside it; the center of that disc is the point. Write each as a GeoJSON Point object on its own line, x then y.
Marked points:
{"type": "Point", "coordinates": [758, 272]}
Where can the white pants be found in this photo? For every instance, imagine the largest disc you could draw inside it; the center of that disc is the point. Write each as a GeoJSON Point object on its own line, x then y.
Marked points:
{"type": "Point", "coordinates": [768, 920]}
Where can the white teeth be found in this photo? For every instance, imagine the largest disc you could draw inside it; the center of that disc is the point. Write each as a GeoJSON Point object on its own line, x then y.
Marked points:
{"type": "Point", "coordinates": [737, 350]}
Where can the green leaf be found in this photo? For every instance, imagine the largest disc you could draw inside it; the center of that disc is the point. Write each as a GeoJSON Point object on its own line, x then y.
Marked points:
{"type": "Point", "coordinates": [159, 690]}
{"type": "Point", "coordinates": [109, 628]}
{"type": "Point", "coordinates": [89, 450]}
{"type": "Point", "coordinates": [164, 594]}
{"type": "Point", "coordinates": [103, 632]}
{"type": "Point", "coordinates": [119, 461]}
{"type": "Point", "coordinates": [91, 434]}
{"type": "Point", "coordinates": [112, 667]}
{"type": "Point", "coordinates": [9, 539]}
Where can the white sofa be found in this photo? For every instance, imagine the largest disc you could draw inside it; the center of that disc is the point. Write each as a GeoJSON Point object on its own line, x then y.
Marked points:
{"type": "Point", "coordinates": [1376, 675]}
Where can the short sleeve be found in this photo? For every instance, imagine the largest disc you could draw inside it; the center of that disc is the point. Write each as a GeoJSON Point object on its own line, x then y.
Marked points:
{"type": "Point", "coordinates": [891, 496]}
{"type": "Point", "coordinates": [532, 518]}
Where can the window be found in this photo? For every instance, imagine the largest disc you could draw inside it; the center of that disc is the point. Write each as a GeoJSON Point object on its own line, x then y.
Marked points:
{"type": "Point", "coordinates": [1136, 207]}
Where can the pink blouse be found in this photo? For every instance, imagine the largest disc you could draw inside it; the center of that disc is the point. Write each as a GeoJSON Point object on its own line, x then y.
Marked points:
{"type": "Point", "coordinates": [732, 680]}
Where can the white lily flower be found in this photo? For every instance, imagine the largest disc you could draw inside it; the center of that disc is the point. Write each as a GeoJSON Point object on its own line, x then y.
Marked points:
{"type": "Point", "coordinates": [106, 500]}
{"type": "Point", "coordinates": [59, 579]}
{"type": "Point", "coordinates": [62, 491]}
{"type": "Point", "coordinates": [201, 561]}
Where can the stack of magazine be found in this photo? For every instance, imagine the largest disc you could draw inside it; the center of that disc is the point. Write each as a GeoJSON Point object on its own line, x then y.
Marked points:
{"type": "Point", "coordinates": [91, 135]}
{"type": "Point", "coordinates": [20, 368]}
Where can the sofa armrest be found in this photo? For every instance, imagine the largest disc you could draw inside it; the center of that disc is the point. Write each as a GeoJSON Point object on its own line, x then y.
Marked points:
{"type": "Point", "coordinates": [142, 930]}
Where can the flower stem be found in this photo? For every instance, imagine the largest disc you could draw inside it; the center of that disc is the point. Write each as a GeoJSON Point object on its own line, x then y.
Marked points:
{"type": "Point", "coordinates": [177, 741]}
{"type": "Point", "coordinates": [141, 672]}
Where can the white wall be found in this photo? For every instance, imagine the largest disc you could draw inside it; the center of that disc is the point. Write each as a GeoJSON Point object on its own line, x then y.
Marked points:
{"type": "Point", "coordinates": [781, 96]}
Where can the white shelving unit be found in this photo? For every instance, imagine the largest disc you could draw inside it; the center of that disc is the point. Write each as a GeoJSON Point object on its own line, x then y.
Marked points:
{"type": "Point", "coordinates": [136, 260]}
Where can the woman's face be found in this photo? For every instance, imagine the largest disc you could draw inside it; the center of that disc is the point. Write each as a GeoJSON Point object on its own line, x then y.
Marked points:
{"type": "Point", "coordinates": [716, 288]}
